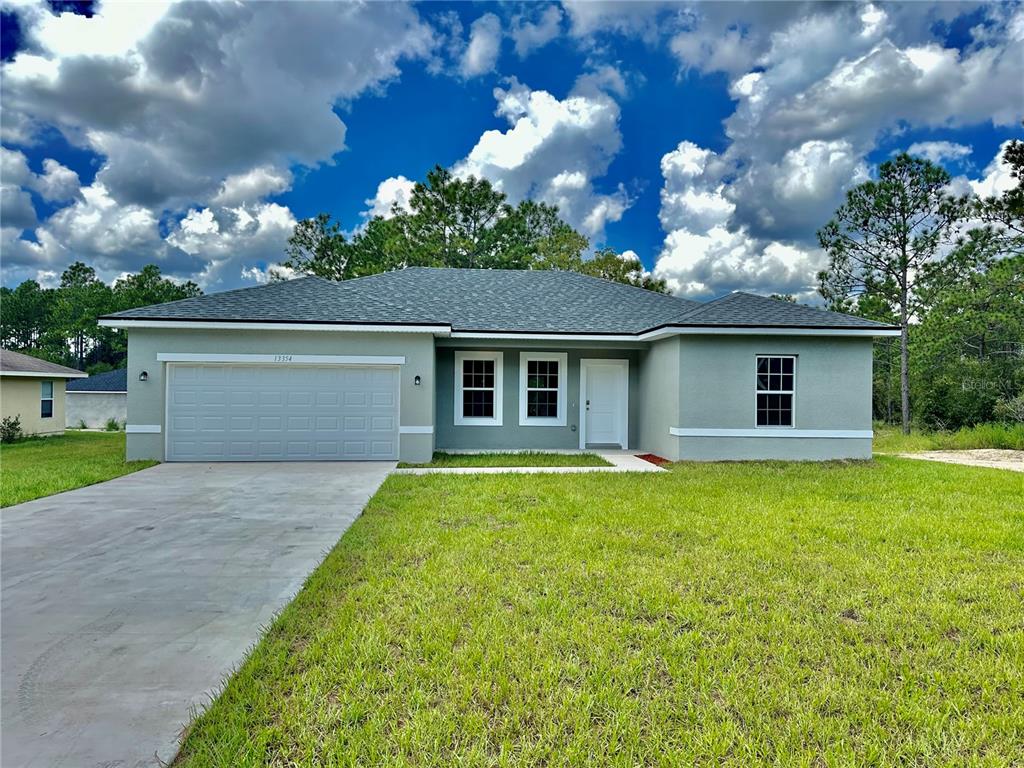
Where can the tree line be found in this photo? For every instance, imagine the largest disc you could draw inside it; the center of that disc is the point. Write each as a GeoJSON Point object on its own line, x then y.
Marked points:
{"type": "Point", "coordinates": [456, 222]}
{"type": "Point", "coordinates": [60, 324]}
{"type": "Point", "coordinates": [949, 271]}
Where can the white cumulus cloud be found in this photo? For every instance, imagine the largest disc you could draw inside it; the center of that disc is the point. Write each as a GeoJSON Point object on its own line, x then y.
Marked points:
{"type": "Point", "coordinates": [481, 55]}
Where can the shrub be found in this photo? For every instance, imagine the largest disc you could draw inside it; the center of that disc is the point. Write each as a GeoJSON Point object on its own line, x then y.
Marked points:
{"type": "Point", "coordinates": [10, 429]}
{"type": "Point", "coordinates": [113, 425]}
{"type": "Point", "coordinates": [1012, 410]}
{"type": "Point", "coordinates": [82, 424]}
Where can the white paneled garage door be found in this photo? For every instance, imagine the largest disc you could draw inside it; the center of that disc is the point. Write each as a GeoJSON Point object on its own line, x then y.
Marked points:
{"type": "Point", "coordinates": [281, 412]}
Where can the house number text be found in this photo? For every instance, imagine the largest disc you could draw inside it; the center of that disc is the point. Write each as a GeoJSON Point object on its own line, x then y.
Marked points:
{"type": "Point", "coordinates": [282, 358]}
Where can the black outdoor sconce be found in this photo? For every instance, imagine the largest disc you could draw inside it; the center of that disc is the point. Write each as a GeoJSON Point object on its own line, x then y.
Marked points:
{"type": "Point", "coordinates": [416, 381]}
{"type": "Point", "coordinates": [144, 376]}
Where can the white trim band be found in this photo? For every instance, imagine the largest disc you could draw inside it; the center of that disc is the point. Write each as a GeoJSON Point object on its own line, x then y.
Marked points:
{"type": "Point", "coordinates": [282, 359]}
{"type": "Point", "coordinates": [442, 330]}
{"type": "Point", "coordinates": [863, 434]}
{"type": "Point", "coordinates": [662, 333]}
{"type": "Point", "coordinates": [142, 429]}
{"type": "Point", "coordinates": [415, 430]}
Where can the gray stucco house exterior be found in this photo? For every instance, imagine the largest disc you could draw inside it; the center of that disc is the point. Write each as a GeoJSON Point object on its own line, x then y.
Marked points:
{"type": "Point", "coordinates": [398, 365]}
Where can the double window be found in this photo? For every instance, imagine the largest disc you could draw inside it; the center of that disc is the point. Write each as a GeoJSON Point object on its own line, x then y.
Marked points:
{"type": "Point", "coordinates": [542, 387]}
{"type": "Point", "coordinates": [478, 388]}
{"type": "Point", "coordinates": [46, 400]}
{"type": "Point", "coordinates": [776, 385]}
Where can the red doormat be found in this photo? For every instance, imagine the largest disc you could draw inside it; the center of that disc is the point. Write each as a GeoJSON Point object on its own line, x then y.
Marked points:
{"type": "Point", "coordinates": [653, 459]}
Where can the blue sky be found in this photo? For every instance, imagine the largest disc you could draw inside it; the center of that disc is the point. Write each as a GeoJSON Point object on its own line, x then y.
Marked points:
{"type": "Point", "coordinates": [711, 140]}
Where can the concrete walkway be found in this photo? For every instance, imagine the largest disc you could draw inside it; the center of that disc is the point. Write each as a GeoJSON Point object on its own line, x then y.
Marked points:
{"type": "Point", "coordinates": [621, 461]}
{"type": "Point", "coordinates": [126, 603]}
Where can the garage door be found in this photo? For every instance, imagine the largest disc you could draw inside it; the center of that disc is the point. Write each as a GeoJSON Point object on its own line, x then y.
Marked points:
{"type": "Point", "coordinates": [281, 413]}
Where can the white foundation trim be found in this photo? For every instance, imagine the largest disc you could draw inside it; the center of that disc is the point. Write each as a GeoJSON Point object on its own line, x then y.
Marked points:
{"type": "Point", "coordinates": [772, 432]}
{"type": "Point", "coordinates": [282, 359]}
{"type": "Point", "coordinates": [441, 330]}
{"type": "Point", "coordinates": [415, 430]}
{"type": "Point", "coordinates": [142, 429]}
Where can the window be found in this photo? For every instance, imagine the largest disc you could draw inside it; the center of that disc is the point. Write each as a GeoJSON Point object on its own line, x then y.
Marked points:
{"type": "Point", "coordinates": [542, 388]}
{"type": "Point", "coordinates": [776, 382]}
{"type": "Point", "coordinates": [46, 400]}
{"type": "Point", "coordinates": [478, 388]}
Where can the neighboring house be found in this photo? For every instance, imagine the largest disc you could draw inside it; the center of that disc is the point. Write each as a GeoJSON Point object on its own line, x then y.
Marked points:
{"type": "Point", "coordinates": [33, 390]}
{"type": "Point", "coordinates": [400, 364]}
{"type": "Point", "coordinates": [98, 399]}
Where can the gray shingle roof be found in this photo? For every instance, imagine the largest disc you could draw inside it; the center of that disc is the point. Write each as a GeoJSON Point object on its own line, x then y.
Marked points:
{"type": "Point", "coordinates": [483, 300]}
{"type": "Point", "coordinates": [111, 381]}
{"type": "Point", "coordinates": [749, 309]}
{"type": "Point", "coordinates": [15, 362]}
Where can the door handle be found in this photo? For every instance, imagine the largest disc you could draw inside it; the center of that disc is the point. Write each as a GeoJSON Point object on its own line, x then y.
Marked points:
{"type": "Point", "coordinates": [588, 405]}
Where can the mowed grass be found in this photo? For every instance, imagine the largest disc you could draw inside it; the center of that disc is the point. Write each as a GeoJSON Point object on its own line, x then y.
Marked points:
{"type": "Point", "coordinates": [889, 439]}
{"type": "Point", "coordinates": [41, 466]}
{"type": "Point", "coordinates": [726, 614]}
{"type": "Point", "coordinates": [522, 459]}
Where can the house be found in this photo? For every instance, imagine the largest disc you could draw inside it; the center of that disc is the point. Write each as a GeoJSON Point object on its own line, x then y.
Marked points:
{"type": "Point", "coordinates": [97, 400]}
{"type": "Point", "coordinates": [33, 390]}
{"type": "Point", "coordinates": [397, 365]}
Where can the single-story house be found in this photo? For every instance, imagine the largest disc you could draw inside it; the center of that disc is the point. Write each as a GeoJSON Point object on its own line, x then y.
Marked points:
{"type": "Point", "coordinates": [397, 365]}
{"type": "Point", "coordinates": [98, 399]}
{"type": "Point", "coordinates": [33, 390]}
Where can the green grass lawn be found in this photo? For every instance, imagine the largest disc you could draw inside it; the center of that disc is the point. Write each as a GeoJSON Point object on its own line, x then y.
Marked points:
{"type": "Point", "coordinates": [524, 459]}
{"type": "Point", "coordinates": [42, 466]}
{"type": "Point", "coordinates": [889, 439]}
{"type": "Point", "coordinates": [866, 613]}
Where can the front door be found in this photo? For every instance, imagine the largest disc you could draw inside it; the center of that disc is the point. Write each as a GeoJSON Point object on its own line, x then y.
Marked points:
{"type": "Point", "coordinates": [605, 396]}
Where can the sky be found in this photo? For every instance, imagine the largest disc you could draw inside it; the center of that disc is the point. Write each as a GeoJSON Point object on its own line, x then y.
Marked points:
{"type": "Point", "coordinates": [712, 140]}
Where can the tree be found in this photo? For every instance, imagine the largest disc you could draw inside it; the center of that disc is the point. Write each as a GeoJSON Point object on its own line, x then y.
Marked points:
{"type": "Point", "coordinates": [622, 268]}
{"type": "Point", "coordinates": [81, 299]}
{"type": "Point", "coordinates": [26, 314]}
{"type": "Point", "coordinates": [318, 247]}
{"type": "Point", "coordinates": [456, 222]}
{"type": "Point", "coordinates": [883, 239]}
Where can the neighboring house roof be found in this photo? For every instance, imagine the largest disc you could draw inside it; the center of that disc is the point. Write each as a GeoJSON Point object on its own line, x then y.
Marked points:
{"type": "Point", "coordinates": [485, 301]}
{"type": "Point", "coordinates": [111, 381]}
{"type": "Point", "coordinates": [17, 364]}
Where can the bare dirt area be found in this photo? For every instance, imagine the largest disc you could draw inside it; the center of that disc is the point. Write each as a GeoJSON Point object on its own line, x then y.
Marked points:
{"type": "Point", "coordinates": [982, 457]}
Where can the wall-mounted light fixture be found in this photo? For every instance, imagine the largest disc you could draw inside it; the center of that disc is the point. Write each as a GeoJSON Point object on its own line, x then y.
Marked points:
{"type": "Point", "coordinates": [144, 376]}
{"type": "Point", "coordinates": [416, 381]}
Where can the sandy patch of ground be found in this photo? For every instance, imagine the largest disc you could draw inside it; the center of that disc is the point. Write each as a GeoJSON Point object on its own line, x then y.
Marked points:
{"type": "Point", "coordinates": [983, 457]}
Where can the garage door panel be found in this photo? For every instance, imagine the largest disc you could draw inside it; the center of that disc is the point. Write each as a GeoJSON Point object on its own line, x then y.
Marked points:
{"type": "Point", "coordinates": [281, 413]}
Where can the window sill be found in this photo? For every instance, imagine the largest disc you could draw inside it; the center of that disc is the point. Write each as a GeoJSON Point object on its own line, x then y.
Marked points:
{"type": "Point", "coordinates": [537, 422]}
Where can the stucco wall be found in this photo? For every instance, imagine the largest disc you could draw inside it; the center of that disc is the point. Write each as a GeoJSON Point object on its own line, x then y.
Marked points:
{"type": "Point", "coordinates": [717, 391]}
{"type": "Point", "coordinates": [146, 399]}
{"type": "Point", "coordinates": [21, 395]}
{"type": "Point", "coordinates": [659, 397]}
{"type": "Point", "coordinates": [95, 408]}
{"type": "Point", "coordinates": [510, 435]}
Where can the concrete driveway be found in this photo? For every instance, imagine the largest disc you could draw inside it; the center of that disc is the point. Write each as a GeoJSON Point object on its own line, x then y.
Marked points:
{"type": "Point", "coordinates": [125, 604]}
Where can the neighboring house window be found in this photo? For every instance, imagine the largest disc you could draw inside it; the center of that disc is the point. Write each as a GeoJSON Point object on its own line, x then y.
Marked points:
{"type": "Point", "coordinates": [46, 400]}
{"type": "Point", "coordinates": [542, 386]}
{"type": "Point", "coordinates": [478, 388]}
{"type": "Point", "coordinates": [776, 383]}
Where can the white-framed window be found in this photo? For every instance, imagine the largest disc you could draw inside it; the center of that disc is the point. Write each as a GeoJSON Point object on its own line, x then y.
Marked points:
{"type": "Point", "coordinates": [542, 387]}
{"type": "Point", "coordinates": [478, 389]}
{"type": "Point", "coordinates": [46, 400]}
{"type": "Point", "coordinates": [775, 390]}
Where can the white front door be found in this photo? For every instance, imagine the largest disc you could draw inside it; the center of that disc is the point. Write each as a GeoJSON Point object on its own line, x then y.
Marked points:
{"type": "Point", "coordinates": [605, 396]}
